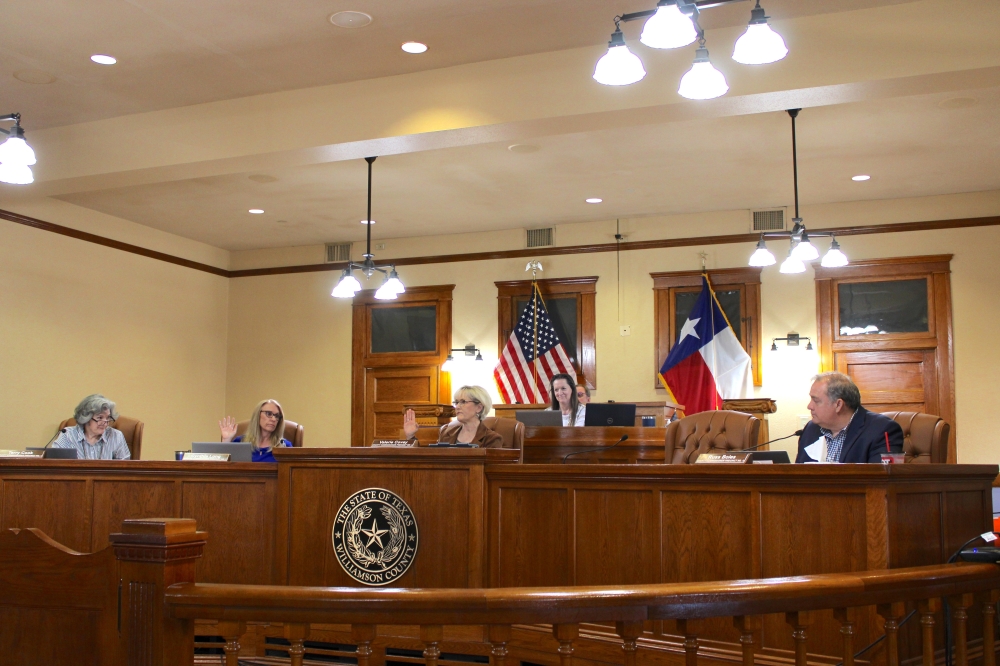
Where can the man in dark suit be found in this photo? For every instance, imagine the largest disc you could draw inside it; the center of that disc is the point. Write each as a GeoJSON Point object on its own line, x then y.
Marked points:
{"type": "Point", "coordinates": [851, 433]}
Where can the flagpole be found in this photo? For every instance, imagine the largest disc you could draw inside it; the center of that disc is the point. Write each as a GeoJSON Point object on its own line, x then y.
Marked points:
{"type": "Point", "coordinates": [534, 321]}
{"type": "Point", "coordinates": [715, 356]}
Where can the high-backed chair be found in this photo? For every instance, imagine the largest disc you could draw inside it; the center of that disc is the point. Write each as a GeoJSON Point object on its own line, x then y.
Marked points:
{"type": "Point", "coordinates": [708, 432]}
{"type": "Point", "coordinates": [130, 428]}
{"type": "Point", "coordinates": [511, 430]}
{"type": "Point", "coordinates": [925, 436]}
{"type": "Point", "coordinates": [293, 431]}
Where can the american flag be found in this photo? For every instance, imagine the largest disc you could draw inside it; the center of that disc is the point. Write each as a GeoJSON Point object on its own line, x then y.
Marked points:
{"type": "Point", "coordinates": [522, 375]}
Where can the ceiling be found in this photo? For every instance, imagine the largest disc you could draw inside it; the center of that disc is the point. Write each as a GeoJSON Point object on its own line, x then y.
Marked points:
{"type": "Point", "coordinates": [915, 134]}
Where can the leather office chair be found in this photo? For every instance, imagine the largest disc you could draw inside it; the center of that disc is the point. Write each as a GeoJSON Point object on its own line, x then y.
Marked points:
{"type": "Point", "coordinates": [130, 428]}
{"type": "Point", "coordinates": [293, 431]}
{"type": "Point", "coordinates": [707, 432]}
{"type": "Point", "coordinates": [925, 436]}
{"type": "Point", "coordinates": [511, 430]}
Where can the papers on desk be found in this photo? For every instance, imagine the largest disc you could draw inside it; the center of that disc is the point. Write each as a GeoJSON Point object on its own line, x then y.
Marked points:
{"type": "Point", "coordinates": [817, 450]}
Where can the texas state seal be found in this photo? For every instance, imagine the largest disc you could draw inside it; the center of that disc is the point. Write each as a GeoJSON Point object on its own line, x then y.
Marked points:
{"type": "Point", "coordinates": [375, 536]}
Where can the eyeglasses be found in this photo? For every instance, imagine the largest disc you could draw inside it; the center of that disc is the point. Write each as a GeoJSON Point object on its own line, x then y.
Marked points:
{"type": "Point", "coordinates": [462, 403]}
{"type": "Point", "coordinates": [269, 414]}
{"type": "Point", "coordinates": [100, 420]}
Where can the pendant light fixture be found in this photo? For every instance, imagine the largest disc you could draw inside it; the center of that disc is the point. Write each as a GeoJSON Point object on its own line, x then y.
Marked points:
{"type": "Point", "coordinates": [348, 284]}
{"type": "Point", "coordinates": [668, 28]}
{"type": "Point", "coordinates": [16, 156]}
{"type": "Point", "coordinates": [759, 45]}
{"type": "Point", "coordinates": [801, 250]}
{"type": "Point", "coordinates": [673, 24]}
{"type": "Point", "coordinates": [619, 66]}
{"type": "Point", "coordinates": [703, 81]}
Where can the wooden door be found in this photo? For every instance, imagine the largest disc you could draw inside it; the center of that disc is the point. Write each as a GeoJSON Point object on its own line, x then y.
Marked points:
{"type": "Point", "coordinates": [909, 364]}
{"type": "Point", "coordinates": [387, 389]}
{"type": "Point", "coordinates": [902, 381]}
{"type": "Point", "coordinates": [398, 348]}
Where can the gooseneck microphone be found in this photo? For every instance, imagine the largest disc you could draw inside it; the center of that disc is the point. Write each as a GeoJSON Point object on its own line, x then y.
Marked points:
{"type": "Point", "coordinates": [600, 448]}
{"type": "Point", "coordinates": [754, 448]}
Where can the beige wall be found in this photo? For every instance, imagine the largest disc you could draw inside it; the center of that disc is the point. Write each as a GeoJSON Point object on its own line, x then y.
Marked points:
{"type": "Point", "coordinates": [313, 342]}
{"type": "Point", "coordinates": [78, 318]}
{"type": "Point", "coordinates": [180, 348]}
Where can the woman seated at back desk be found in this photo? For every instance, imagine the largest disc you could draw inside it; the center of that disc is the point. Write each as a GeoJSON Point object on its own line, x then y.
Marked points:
{"type": "Point", "coordinates": [263, 432]}
{"type": "Point", "coordinates": [472, 404]}
{"type": "Point", "coordinates": [562, 388]}
{"type": "Point", "coordinates": [93, 437]}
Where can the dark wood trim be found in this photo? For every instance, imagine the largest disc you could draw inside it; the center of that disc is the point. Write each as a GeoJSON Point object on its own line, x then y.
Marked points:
{"type": "Point", "coordinates": [633, 245]}
{"type": "Point", "coordinates": [747, 279]}
{"type": "Point", "coordinates": [899, 227]}
{"type": "Point", "coordinates": [585, 290]}
{"type": "Point", "coordinates": [107, 242]}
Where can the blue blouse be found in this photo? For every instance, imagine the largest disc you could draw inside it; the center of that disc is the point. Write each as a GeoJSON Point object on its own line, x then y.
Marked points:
{"type": "Point", "coordinates": [263, 455]}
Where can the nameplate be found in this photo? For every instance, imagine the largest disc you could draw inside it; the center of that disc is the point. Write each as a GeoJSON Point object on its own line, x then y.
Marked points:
{"type": "Point", "coordinates": [392, 443]}
{"type": "Point", "coordinates": [8, 453]}
{"type": "Point", "coordinates": [217, 457]}
{"type": "Point", "coordinates": [741, 458]}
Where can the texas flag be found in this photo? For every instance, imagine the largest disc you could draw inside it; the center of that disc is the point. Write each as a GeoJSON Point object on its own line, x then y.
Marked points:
{"type": "Point", "coordinates": [708, 363]}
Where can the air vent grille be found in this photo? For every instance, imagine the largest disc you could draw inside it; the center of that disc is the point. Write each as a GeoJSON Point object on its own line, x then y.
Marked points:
{"type": "Point", "coordinates": [541, 237]}
{"type": "Point", "coordinates": [336, 252]}
{"type": "Point", "coordinates": [767, 220]}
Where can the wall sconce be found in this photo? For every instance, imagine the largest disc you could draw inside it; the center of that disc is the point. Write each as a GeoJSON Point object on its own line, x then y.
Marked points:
{"type": "Point", "coordinates": [470, 350]}
{"type": "Point", "coordinates": [792, 341]}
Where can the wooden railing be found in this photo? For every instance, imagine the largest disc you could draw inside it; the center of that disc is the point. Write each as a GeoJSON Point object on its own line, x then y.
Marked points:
{"type": "Point", "coordinates": [144, 610]}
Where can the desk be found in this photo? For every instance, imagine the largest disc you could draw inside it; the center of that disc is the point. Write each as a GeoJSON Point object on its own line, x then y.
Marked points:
{"type": "Point", "coordinates": [549, 444]}
{"type": "Point", "coordinates": [487, 521]}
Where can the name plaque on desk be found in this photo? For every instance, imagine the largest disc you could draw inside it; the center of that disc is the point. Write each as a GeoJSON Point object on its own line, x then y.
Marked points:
{"type": "Point", "coordinates": [740, 458]}
{"type": "Point", "coordinates": [8, 453]}
{"type": "Point", "coordinates": [217, 457]}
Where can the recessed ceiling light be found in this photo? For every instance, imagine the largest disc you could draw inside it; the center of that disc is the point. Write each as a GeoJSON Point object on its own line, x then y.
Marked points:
{"type": "Point", "coordinates": [594, 200]}
{"type": "Point", "coordinates": [350, 19]}
{"type": "Point", "coordinates": [103, 59]}
{"type": "Point", "coordinates": [414, 47]}
{"type": "Point", "coordinates": [860, 178]}
{"type": "Point", "coordinates": [256, 211]}
{"type": "Point", "coordinates": [367, 222]}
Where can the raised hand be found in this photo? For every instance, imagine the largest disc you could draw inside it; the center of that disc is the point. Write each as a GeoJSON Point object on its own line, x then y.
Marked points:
{"type": "Point", "coordinates": [228, 428]}
{"type": "Point", "coordinates": [410, 423]}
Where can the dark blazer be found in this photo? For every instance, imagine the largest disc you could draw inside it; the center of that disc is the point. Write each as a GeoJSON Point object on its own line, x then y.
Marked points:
{"type": "Point", "coordinates": [485, 437]}
{"type": "Point", "coordinates": [865, 438]}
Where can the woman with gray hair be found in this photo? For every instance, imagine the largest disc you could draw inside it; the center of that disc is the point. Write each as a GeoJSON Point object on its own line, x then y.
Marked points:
{"type": "Point", "coordinates": [472, 404]}
{"type": "Point", "coordinates": [92, 436]}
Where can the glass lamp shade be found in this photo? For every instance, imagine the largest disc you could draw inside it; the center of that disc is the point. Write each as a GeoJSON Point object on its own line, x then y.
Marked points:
{"type": "Point", "coordinates": [394, 283]}
{"type": "Point", "coordinates": [347, 286]}
{"type": "Point", "coordinates": [15, 151]}
{"type": "Point", "coordinates": [762, 256]}
{"type": "Point", "coordinates": [759, 45]}
{"type": "Point", "coordinates": [386, 292]}
{"type": "Point", "coordinates": [703, 81]}
{"type": "Point", "coordinates": [16, 174]}
{"type": "Point", "coordinates": [805, 250]}
{"type": "Point", "coordinates": [834, 258]}
{"type": "Point", "coordinates": [668, 28]}
{"type": "Point", "coordinates": [619, 67]}
{"type": "Point", "coordinates": [449, 364]}
{"type": "Point", "coordinates": [792, 265]}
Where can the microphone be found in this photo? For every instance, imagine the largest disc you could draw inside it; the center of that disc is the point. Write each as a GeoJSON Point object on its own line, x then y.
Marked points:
{"type": "Point", "coordinates": [754, 448]}
{"type": "Point", "coordinates": [600, 448]}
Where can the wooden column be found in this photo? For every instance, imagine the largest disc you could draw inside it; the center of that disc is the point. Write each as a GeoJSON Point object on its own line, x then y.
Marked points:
{"type": "Point", "coordinates": [153, 554]}
{"type": "Point", "coordinates": [892, 613]}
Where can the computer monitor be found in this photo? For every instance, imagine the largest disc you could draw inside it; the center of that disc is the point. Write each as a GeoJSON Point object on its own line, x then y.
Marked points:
{"type": "Point", "coordinates": [610, 414]}
{"type": "Point", "coordinates": [539, 417]}
{"type": "Point", "coordinates": [238, 451]}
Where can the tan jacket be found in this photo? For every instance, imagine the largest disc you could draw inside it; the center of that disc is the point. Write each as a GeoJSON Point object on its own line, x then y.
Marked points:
{"type": "Point", "coordinates": [485, 437]}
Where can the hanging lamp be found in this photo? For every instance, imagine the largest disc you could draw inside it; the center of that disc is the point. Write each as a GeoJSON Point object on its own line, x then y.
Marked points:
{"type": "Point", "coordinates": [348, 284]}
